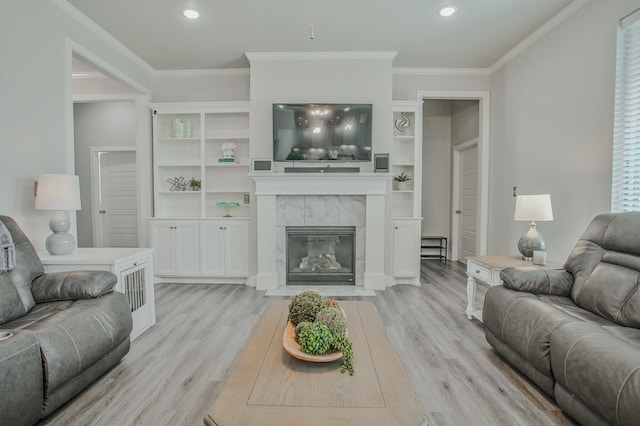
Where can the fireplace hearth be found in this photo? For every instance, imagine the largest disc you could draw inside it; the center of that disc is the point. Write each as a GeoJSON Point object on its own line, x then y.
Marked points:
{"type": "Point", "coordinates": [321, 255]}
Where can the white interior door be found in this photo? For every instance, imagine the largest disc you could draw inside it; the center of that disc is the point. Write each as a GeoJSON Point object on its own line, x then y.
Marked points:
{"type": "Point", "coordinates": [115, 199]}
{"type": "Point", "coordinates": [466, 212]}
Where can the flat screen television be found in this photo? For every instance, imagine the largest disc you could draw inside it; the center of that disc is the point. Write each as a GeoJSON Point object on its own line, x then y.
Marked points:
{"type": "Point", "coordinates": [322, 132]}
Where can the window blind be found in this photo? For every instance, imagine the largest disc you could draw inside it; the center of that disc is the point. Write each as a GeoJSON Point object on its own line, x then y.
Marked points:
{"type": "Point", "coordinates": [625, 186]}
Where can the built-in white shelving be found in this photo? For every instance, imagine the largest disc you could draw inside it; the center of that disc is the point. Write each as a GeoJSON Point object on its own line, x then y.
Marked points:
{"type": "Point", "coordinates": [188, 142]}
{"type": "Point", "coordinates": [195, 241]}
{"type": "Point", "coordinates": [406, 157]}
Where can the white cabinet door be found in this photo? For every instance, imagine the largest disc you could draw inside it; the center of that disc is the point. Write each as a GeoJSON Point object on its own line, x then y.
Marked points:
{"type": "Point", "coordinates": [406, 248]}
{"type": "Point", "coordinates": [162, 240]}
{"type": "Point", "coordinates": [236, 248]}
{"type": "Point", "coordinates": [212, 248]}
{"type": "Point", "coordinates": [187, 249]}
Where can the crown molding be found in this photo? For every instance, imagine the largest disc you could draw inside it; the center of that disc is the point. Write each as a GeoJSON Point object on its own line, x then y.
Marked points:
{"type": "Point", "coordinates": [538, 34]}
{"type": "Point", "coordinates": [87, 75]}
{"type": "Point", "coordinates": [202, 73]}
{"type": "Point", "coordinates": [101, 97]}
{"type": "Point", "coordinates": [441, 71]}
{"type": "Point", "coordinates": [83, 20]}
{"type": "Point", "coordinates": [264, 56]}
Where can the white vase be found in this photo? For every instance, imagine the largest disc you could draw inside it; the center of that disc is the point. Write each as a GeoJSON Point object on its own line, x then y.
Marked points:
{"type": "Point", "coordinates": [402, 186]}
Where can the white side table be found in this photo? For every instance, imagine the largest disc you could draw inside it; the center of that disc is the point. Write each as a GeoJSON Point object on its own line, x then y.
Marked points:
{"type": "Point", "coordinates": [132, 266]}
{"type": "Point", "coordinates": [486, 269]}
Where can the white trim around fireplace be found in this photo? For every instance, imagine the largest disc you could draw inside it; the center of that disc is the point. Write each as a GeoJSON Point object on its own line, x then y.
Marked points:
{"type": "Point", "coordinates": [374, 186]}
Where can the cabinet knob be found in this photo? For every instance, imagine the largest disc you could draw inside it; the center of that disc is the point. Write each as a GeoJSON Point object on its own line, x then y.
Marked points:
{"type": "Point", "coordinates": [477, 271]}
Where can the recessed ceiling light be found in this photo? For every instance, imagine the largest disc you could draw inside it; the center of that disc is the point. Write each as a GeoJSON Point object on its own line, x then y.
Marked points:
{"type": "Point", "coordinates": [191, 14]}
{"type": "Point", "coordinates": [448, 10]}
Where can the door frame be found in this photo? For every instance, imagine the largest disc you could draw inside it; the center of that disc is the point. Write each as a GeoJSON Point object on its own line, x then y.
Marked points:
{"type": "Point", "coordinates": [456, 184]}
{"type": "Point", "coordinates": [484, 100]}
{"type": "Point", "coordinates": [96, 220]}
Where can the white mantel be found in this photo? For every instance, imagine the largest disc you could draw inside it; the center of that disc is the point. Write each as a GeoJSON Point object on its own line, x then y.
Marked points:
{"type": "Point", "coordinates": [375, 187]}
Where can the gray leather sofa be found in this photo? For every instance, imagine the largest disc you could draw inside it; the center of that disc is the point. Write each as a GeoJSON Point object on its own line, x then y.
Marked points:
{"type": "Point", "coordinates": [68, 328]}
{"type": "Point", "coordinates": [576, 332]}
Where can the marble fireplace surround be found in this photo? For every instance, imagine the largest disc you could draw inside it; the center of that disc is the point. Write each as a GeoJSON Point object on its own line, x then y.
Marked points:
{"type": "Point", "coordinates": [291, 198]}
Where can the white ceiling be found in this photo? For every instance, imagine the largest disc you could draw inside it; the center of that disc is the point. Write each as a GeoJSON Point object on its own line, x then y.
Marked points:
{"type": "Point", "coordinates": [476, 37]}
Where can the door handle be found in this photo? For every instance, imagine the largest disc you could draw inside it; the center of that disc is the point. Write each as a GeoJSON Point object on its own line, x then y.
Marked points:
{"type": "Point", "coordinates": [101, 211]}
{"type": "Point", "coordinates": [458, 211]}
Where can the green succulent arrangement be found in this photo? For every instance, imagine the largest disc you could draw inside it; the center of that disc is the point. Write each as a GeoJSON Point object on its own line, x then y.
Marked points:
{"type": "Point", "coordinates": [305, 306]}
{"type": "Point", "coordinates": [344, 345]}
{"type": "Point", "coordinates": [299, 328]}
{"type": "Point", "coordinates": [333, 319]}
{"type": "Point", "coordinates": [315, 338]}
{"type": "Point", "coordinates": [320, 326]}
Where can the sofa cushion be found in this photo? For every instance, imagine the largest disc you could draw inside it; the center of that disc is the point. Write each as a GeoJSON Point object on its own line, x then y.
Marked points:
{"type": "Point", "coordinates": [73, 335]}
{"type": "Point", "coordinates": [11, 306]}
{"type": "Point", "coordinates": [21, 383]}
{"type": "Point", "coordinates": [606, 267]}
{"type": "Point", "coordinates": [524, 322]}
{"type": "Point", "coordinates": [599, 368]}
{"type": "Point", "coordinates": [28, 265]}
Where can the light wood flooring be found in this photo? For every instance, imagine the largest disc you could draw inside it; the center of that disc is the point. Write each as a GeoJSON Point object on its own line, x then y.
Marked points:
{"type": "Point", "coordinates": [175, 370]}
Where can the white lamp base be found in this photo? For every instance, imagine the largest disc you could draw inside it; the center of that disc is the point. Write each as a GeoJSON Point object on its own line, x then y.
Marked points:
{"type": "Point", "coordinates": [60, 242]}
{"type": "Point", "coordinates": [530, 242]}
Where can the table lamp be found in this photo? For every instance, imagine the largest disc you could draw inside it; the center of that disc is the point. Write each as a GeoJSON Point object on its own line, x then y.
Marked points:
{"type": "Point", "coordinates": [532, 208]}
{"type": "Point", "coordinates": [59, 193]}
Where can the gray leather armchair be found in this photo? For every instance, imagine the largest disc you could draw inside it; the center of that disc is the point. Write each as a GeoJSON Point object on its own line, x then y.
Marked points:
{"type": "Point", "coordinates": [576, 332]}
{"type": "Point", "coordinates": [68, 328]}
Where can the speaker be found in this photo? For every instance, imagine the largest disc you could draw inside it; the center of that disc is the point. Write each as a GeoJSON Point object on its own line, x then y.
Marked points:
{"type": "Point", "coordinates": [261, 165]}
{"type": "Point", "coordinates": [381, 163]}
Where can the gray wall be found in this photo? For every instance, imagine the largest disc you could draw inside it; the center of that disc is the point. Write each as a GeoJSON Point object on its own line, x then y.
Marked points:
{"type": "Point", "coordinates": [213, 86]}
{"type": "Point", "coordinates": [36, 135]}
{"type": "Point", "coordinates": [96, 124]}
{"type": "Point", "coordinates": [552, 126]}
{"type": "Point", "coordinates": [436, 167]}
{"type": "Point", "coordinates": [465, 121]}
{"type": "Point", "coordinates": [445, 123]}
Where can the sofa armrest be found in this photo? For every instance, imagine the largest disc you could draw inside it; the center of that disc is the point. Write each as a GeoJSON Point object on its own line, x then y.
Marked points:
{"type": "Point", "coordinates": [72, 285]}
{"type": "Point", "coordinates": [557, 282]}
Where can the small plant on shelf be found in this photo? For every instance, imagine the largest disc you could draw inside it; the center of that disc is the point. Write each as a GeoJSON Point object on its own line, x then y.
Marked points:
{"type": "Point", "coordinates": [227, 206]}
{"type": "Point", "coordinates": [195, 184]}
{"type": "Point", "coordinates": [402, 177]}
{"type": "Point", "coordinates": [402, 181]}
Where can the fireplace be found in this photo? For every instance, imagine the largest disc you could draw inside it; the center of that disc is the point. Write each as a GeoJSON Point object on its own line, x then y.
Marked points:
{"type": "Point", "coordinates": [321, 255]}
{"type": "Point", "coordinates": [322, 199]}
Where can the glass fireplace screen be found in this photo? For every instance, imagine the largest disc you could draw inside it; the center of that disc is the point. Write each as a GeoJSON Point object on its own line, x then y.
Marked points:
{"type": "Point", "coordinates": [321, 254]}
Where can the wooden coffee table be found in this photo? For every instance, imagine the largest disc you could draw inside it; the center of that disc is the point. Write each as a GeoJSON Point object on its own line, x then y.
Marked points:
{"type": "Point", "coordinates": [267, 386]}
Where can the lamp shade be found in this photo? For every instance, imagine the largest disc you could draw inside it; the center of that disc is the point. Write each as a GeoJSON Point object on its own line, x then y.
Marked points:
{"type": "Point", "coordinates": [533, 208]}
{"type": "Point", "coordinates": [58, 192]}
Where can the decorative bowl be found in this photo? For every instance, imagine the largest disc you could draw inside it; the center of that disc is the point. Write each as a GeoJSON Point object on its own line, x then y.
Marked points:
{"type": "Point", "coordinates": [291, 345]}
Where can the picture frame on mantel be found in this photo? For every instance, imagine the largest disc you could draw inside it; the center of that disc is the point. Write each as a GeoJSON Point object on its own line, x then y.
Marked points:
{"type": "Point", "coordinates": [261, 165]}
